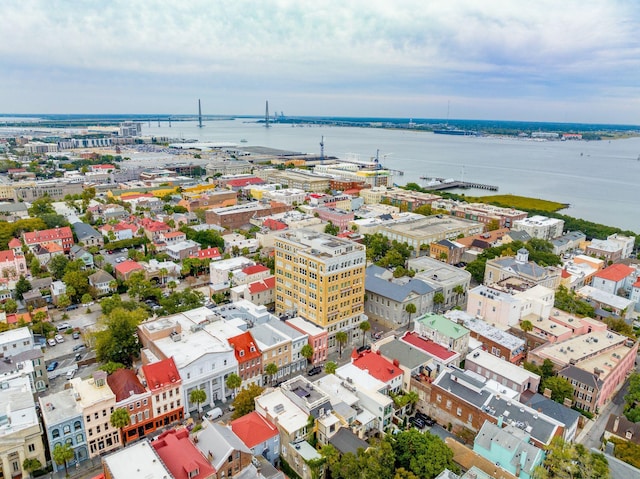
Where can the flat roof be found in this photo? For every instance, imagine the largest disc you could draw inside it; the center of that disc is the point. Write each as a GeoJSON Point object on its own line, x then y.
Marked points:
{"type": "Point", "coordinates": [500, 366]}
{"type": "Point", "coordinates": [483, 328]}
{"type": "Point", "coordinates": [59, 407]}
{"type": "Point", "coordinates": [287, 414]}
{"type": "Point", "coordinates": [136, 461]}
{"type": "Point", "coordinates": [581, 347]}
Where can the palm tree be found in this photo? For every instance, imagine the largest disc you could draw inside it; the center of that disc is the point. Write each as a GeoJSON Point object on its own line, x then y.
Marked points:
{"type": "Point", "coordinates": [233, 381]}
{"type": "Point", "coordinates": [62, 454]}
{"type": "Point", "coordinates": [438, 300]}
{"type": "Point", "coordinates": [198, 396]}
{"type": "Point", "coordinates": [341, 339]}
{"type": "Point", "coordinates": [163, 274]}
{"type": "Point", "coordinates": [271, 369]}
{"type": "Point", "coordinates": [120, 419]}
{"type": "Point", "coordinates": [307, 352]}
{"type": "Point", "coordinates": [364, 327]}
{"type": "Point", "coordinates": [412, 399]}
{"type": "Point", "coordinates": [526, 326]}
{"type": "Point", "coordinates": [330, 367]}
{"type": "Point", "coordinates": [31, 464]}
{"type": "Point", "coordinates": [411, 309]}
{"type": "Point", "coordinates": [459, 290]}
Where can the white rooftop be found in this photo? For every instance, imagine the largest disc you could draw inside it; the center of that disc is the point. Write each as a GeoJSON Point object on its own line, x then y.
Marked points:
{"type": "Point", "coordinates": [485, 329]}
{"type": "Point", "coordinates": [306, 326]}
{"type": "Point", "coordinates": [334, 387]}
{"type": "Point", "coordinates": [490, 362]}
{"type": "Point", "coordinates": [360, 378]}
{"type": "Point", "coordinates": [13, 335]}
{"type": "Point", "coordinates": [59, 407]}
{"type": "Point", "coordinates": [289, 416]}
{"type": "Point", "coordinates": [600, 296]}
{"type": "Point", "coordinates": [17, 407]}
{"type": "Point", "coordinates": [136, 461]}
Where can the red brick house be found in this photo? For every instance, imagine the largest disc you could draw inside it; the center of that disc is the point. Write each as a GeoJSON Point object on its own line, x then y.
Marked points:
{"type": "Point", "coordinates": [61, 236]}
{"type": "Point", "coordinates": [249, 357]}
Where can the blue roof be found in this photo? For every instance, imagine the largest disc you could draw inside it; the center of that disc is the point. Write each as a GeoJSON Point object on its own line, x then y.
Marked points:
{"type": "Point", "coordinates": [393, 290]}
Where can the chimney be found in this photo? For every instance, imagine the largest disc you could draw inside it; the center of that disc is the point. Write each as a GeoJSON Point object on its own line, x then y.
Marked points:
{"type": "Point", "coordinates": [547, 393]}
{"type": "Point", "coordinates": [616, 423]}
{"type": "Point", "coordinates": [500, 418]}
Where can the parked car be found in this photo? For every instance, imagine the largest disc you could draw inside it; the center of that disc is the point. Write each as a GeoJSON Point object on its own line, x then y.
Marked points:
{"type": "Point", "coordinates": [52, 366]}
{"type": "Point", "coordinates": [417, 422]}
{"type": "Point", "coordinates": [59, 338]}
{"type": "Point", "coordinates": [75, 335]}
{"type": "Point", "coordinates": [63, 326]}
{"type": "Point", "coordinates": [425, 418]}
{"type": "Point", "coordinates": [214, 413]}
{"type": "Point", "coordinates": [364, 348]}
{"type": "Point", "coordinates": [79, 347]}
{"type": "Point", "coordinates": [314, 370]}
{"type": "Point", "coordinates": [51, 342]}
{"type": "Point", "coordinates": [71, 373]}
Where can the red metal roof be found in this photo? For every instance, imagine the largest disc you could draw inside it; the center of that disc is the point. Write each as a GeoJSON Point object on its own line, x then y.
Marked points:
{"type": "Point", "coordinates": [242, 345]}
{"type": "Point", "coordinates": [48, 235]}
{"type": "Point", "coordinates": [245, 181]}
{"type": "Point", "coordinates": [255, 269]}
{"type": "Point", "coordinates": [207, 253]}
{"type": "Point", "coordinates": [615, 272]}
{"type": "Point", "coordinates": [274, 225]}
{"type": "Point", "coordinates": [128, 266]}
{"type": "Point", "coordinates": [428, 346]}
{"type": "Point", "coordinates": [181, 456]}
{"type": "Point", "coordinates": [253, 429]}
{"type": "Point", "coordinates": [161, 373]}
{"type": "Point", "coordinates": [380, 368]}
{"type": "Point", "coordinates": [124, 383]}
{"type": "Point", "coordinates": [262, 285]}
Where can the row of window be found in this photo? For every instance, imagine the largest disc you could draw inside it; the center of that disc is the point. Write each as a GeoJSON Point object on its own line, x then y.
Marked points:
{"type": "Point", "coordinates": [96, 414]}
{"type": "Point", "coordinates": [66, 429]}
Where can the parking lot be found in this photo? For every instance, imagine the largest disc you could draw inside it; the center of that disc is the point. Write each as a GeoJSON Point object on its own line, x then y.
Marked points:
{"type": "Point", "coordinates": [116, 257]}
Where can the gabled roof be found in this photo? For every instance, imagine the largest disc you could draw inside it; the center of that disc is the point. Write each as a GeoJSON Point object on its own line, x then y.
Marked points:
{"type": "Point", "coordinates": [160, 374]}
{"type": "Point", "coordinates": [242, 345]}
{"type": "Point", "coordinates": [262, 285]}
{"type": "Point", "coordinates": [15, 243]}
{"type": "Point", "coordinates": [582, 376]}
{"type": "Point", "coordinates": [6, 256]}
{"type": "Point", "coordinates": [255, 269]}
{"type": "Point", "coordinates": [395, 290]}
{"type": "Point", "coordinates": [219, 441]}
{"type": "Point", "coordinates": [378, 367]}
{"type": "Point", "coordinates": [101, 276]}
{"type": "Point", "coordinates": [124, 383]}
{"type": "Point", "coordinates": [616, 272]}
{"type": "Point", "coordinates": [84, 230]}
{"type": "Point", "coordinates": [428, 346]}
{"type": "Point", "coordinates": [128, 266]}
{"type": "Point", "coordinates": [253, 429]}
{"type": "Point", "coordinates": [208, 253]}
{"type": "Point", "coordinates": [47, 235]}
{"type": "Point", "coordinates": [181, 456]}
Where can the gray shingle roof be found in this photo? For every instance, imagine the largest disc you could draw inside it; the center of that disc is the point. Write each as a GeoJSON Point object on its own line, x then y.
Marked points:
{"type": "Point", "coordinates": [580, 375]}
{"type": "Point", "coordinates": [393, 290]}
{"type": "Point", "coordinates": [554, 410]}
{"type": "Point", "coordinates": [346, 441]}
{"type": "Point", "coordinates": [408, 356]}
{"type": "Point", "coordinates": [510, 439]}
{"type": "Point", "coordinates": [83, 230]}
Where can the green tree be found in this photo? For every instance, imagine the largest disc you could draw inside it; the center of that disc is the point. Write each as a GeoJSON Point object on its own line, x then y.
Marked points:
{"type": "Point", "coordinates": [526, 326]}
{"type": "Point", "coordinates": [22, 286]}
{"type": "Point", "coordinates": [364, 327]}
{"type": "Point", "coordinates": [233, 381]}
{"type": "Point", "coordinates": [331, 229]}
{"type": "Point", "coordinates": [410, 309]}
{"type": "Point", "coordinates": [120, 419]}
{"type": "Point", "coordinates": [341, 339]}
{"type": "Point", "coordinates": [244, 401]}
{"type": "Point", "coordinates": [438, 300]}
{"type": "Point", "coordinates": [118, 341]}
{"type": "Point", "coordinates": [565, 460]}
{"type": "Point", "coordinates": [198, 396]}
{"type": "Point", "coordinates": [424, 454]}
{"type": "Point", "coordinates": [10, 306]}
{"type": "Point", "coordinates": [547, 369]}
{"type": "Point", "coordinates": [307, 352]}
{"type": "Point", "coordinates": [632, 398]}
{"type": "Point", "coordinates": [330, 367]}
{"type": "Point", "coordinates": [77, 283]}
{"type": "Point", "coordinates": [62, 454]}
{"type": "Point", "coordinates": [458, 289]}
{"type": "Point", "coordinates": [493, 225]}
{"type": "Point", "coordinates": [86, 298]}
{"type": "Point", "coordinates": [412, 399]}
{"type": "Point", "coordinates": [35, 266]}
{"type": "Point", "coordinates": [271, 369]}
{"type": "Point", "coordinates": [560, 388]}
{"type": "Point", "coordinates": [58, 265]}
{"type": "Point", "coordinates": [31, 464]}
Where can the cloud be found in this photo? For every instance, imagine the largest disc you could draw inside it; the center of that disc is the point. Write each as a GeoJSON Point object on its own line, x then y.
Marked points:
{"type": "Point", "coordinates": [336, 49]}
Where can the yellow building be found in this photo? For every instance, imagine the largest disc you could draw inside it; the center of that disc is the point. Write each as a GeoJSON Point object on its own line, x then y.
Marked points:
{"type": "Point", "coordinates": [321, 278]}
{"type": "Point", "coordinates": [97, 401]}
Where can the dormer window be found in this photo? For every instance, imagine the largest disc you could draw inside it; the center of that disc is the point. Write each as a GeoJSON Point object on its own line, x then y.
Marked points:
{"type": "Point", "coordinates": [252, 349]}
{"type": "Point", "coordinates": [242, 353]}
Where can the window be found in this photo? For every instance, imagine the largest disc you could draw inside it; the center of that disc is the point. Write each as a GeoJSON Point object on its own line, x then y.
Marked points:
{"type": "Point", "coordinates": [55, 433]}
{"type": "Point", "coordinates": [32, 447]}
{"type": "Point", "coordinates": [97, 429]}
{"type": "Point", "coordinates": [66, 429]}
{"type": "Point", "coordinates": [79, 438]}
{"type": "Point", "coordinates": [459, 411]}
{"type": "Point", "coordinates": [77, 425]}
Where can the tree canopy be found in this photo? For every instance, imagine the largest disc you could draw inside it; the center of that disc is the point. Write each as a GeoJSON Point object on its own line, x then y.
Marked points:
{"type": "Point", "coordinates": [118, 342]}
{"type": "Point", "coordinates": [244, 400]}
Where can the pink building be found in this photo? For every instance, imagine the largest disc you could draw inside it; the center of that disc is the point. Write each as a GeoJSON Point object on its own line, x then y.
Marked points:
{"type": "Point", "coordinates": [340, 218]}
{"type": "Point", "coordinates": [12, 261]}
{"type": "Point", "coordinates": [318, 338]}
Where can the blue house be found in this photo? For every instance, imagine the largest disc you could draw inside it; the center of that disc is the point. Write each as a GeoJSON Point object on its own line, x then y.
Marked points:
{"type": "Point", "coordinates": [63, 423]}
{"type": "Point", "coordinates": [508, 448]}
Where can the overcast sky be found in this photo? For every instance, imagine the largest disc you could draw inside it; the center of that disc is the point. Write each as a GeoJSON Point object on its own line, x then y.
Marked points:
{"type": "Point", "coordinates": [568, 61]}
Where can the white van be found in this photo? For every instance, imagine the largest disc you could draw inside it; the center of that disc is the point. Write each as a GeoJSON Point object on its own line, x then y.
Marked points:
{"type": "Point", "coordinates": [215, 413]}
{"type": "Point", "coordinates": [63, 326]}
{"type": "Point", "coordinates": [71, 373]}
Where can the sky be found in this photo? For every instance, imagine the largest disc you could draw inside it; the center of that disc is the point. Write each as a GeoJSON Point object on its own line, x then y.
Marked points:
{"type": "Point", "coordinates": [543, 60]}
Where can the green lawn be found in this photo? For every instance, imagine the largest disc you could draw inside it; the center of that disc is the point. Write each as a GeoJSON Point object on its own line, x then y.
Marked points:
{"type": "Point", "coordinates": [519, 202]}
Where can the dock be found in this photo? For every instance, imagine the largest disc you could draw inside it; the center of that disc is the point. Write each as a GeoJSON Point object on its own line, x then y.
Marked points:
{"type": "Point", "coordinates": [440, 184]}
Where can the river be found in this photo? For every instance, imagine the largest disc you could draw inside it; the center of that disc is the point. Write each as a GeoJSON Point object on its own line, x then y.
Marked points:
{"type": "Point", "coordinates": [598, 179]}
